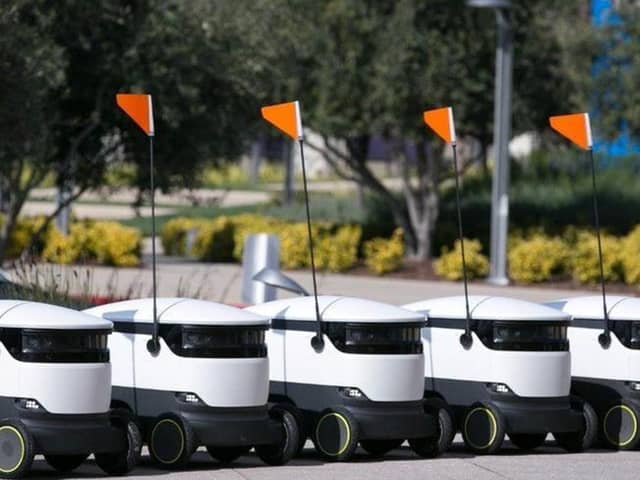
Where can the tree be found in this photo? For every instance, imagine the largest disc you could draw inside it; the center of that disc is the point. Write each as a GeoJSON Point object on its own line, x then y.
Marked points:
{"type": "Point", "coordinates": [372, 67]}
{"type": "Point", "coordinates": [179, 51]}
{"type": "Point", "coordinates": [34, 66]}
{"type": "Point", "coordinates": [617, 74]}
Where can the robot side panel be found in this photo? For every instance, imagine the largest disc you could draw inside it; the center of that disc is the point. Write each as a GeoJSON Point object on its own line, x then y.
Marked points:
{"type": "Point", "coordinates": [219, 382]}
{"type": "Point", "coordinates": [380, 377]}
{"type": "Point", "coordinates": [528, 374]}
{"type": "Point", "coordinates": [121, 353]}
{"type": "Point", "coordinates": [590, 360]}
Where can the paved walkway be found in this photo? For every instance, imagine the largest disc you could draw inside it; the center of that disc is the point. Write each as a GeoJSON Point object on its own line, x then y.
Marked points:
{"type": "Point", "coordinates": [223, 283]}
{"type": "Point", "coordinates": [546, 463]}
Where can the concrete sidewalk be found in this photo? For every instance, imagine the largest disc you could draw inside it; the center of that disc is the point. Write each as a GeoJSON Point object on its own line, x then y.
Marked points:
{"type": "Point", "coordinates": [223, 283]}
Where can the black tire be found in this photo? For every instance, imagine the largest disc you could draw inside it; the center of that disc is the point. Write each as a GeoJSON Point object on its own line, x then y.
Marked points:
{"type": "Point", "coordinates": [171, 441]}
{"type": "Point", "coordinates": [527, 441]}
{"type": "Point", "coordinates": [575, 442]}
{"type": "Point", "coordinates": [121, 463]}
{"type": "Point", "coordinates": [446, 424]}
{"type": "Point", "coordinates": [335, 434]}
{"type": "Point", "coordinates": [227, 454]}
{"type": "Point", "coordinates": [285, 450]}
{"type": "Point", "coordinates": [620, 428]}
{"type": "Point", "coordinates": [378, 448]}
{"type": "Point", "coordinates": [65, 463]}
{"type": "Point", "coordinates": [16, 449]}
{"type": "Point", "coordinates": [483, 429]}
{"type": "Point", "coordinates": [302, 430]}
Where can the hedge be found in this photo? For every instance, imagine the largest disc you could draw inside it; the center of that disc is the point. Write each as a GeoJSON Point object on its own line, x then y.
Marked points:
{"type": "Point", "coordinates": [222, 240]}
{"type": "Point", "coordinates": [537, 257]}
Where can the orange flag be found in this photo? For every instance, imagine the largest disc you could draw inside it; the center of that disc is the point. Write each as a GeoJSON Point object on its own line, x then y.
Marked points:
{"type": "Point", "coordinates": [285, 117]}
{"type": "Point", "coordinates": [139, 107]}
{"type": "Point", "coordinates": [576, 127]}
{"type": "Point", "coordinates": [440, 121]}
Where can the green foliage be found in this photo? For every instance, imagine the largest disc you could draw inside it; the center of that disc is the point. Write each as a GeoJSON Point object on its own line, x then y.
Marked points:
{"type": "Point", "coordinates": [584, 260]}
{"type": "Point", "coordinates": [222, 240]}
{"type": "Point", "coordinates": [449, 264]}
{"type": "Point", "coordinates": [630, 257]}
{"type": "Point", "coordinates": [339, 251]}
{"type": "Point", "coordinates": [173, 234]}
{"type": "Point", "coordinates": [383, 255]}
{"type": "Point", "coordinates": [105, 243]}
{"type": "Point", "coordinates": [537, 258]}
{"type": "Point", "coordinates": [214, 241]}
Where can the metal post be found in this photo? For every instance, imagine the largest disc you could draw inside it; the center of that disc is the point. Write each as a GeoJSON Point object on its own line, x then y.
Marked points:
{"type": "Point", "coordinates": [501, 137]}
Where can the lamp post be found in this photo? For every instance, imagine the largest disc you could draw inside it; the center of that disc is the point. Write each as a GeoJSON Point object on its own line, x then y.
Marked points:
{"type": "Point", "coordinates": [501, 136]}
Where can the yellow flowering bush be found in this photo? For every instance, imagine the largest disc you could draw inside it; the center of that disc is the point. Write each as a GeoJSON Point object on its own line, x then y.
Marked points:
{"type": "Point", "coordinates": [630, 256]}
{"type": "Point", "coordinates": [215, 241]}
{"type": "Point", "coordinates": [584, 259]}
{"type": "Point", "coordinates": [174, 233]}
{"type": "Point", "coordinates": [449, 264]}
{"type": "Point", "coordinates": [107, 243]}
{"type": "Point", "coordinates": [537, 258]}
{"type": "Point", "coordinates": [382, 255]}
{"type": "Point", "coordinates": [338, 252]}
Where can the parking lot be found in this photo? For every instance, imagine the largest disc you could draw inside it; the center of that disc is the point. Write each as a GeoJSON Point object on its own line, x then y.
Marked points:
{"type": "Point", "coordinates": [549, 462]}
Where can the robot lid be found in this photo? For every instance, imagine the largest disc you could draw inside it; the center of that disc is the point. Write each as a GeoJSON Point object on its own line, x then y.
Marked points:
{"type": "Point", "coordinates": [177, 311]}
{"type": "Point", "coordinates": [488, 308]}
{"type": "Point", "coordinates": [34, 315]}
{"type": "Point", "coordinates": [335, 309]}
{"type": "Point", "coordinates": [590, 307]}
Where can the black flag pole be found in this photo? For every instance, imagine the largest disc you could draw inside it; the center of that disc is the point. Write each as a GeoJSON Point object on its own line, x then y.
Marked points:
{"type": "Point", "coordinates": [316, 342]}
{"type": "Point", "coordinates": [605, 337]}
{"type": "Point", "coordinates": [465, 339]}
{"type": "Point", "coordinates": [153, 345]}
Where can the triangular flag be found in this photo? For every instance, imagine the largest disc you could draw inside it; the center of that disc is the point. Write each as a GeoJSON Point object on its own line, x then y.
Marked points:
{"type": "Point", "coordinates": [139, 107]}
{"type": "Point", "coordinates": [575, 126]}
{"type": "Point", "coordinates": [285, 117]}
{"type": "Point", "coordinates": [440, 121]}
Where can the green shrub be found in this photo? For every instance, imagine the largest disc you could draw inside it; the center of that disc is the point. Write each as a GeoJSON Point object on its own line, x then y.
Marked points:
{"type": "Point", "coordinates": [630, 256]}
{"type": "Point", "coordinates": [215, 241]}
{"type": "Point", "coordinates": [294, 245]}
{"type": "Point", "coordinates": [584, 259]}
{"type": "Point", "coordinates": [449, 265]}
{"type": "Point", "coordinates": [21, 236]}
{"type": "Point", "coordinates": [382, 255]}
{"type": "Point", "coordinates": [106, 243]}
{"type": "Point", "coordinates": [338, 252]}
{"type": "Point", "coordinates": [537, 258]}
{"type": "Point", "coordinates": [174, 233]}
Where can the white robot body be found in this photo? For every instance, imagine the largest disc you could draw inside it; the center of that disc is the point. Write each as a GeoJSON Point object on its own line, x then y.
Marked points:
{"type": "Point", "coordinates": [607, 377]}
{"type": "Point", "coordinates": [371, 358]}
{"type": "Point", "coordinates": [60, 387]}
{"type": "Point", "coordinates": [518, 362]}
{"type": "Point", "coordinates": [589, 359]}
{"type": "Point", "coordinates": [55, 380]}
{"type": "Point", "coordinates": [217, 381]}
{"type": "Point", "coordinates": [211, 371]}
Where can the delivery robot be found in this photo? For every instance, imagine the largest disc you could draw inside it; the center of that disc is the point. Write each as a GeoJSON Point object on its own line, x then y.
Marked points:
{"type": "Point", "coordinates": [510, 374]}
{"type": "Point", "coordinates": [605, 366]}
{"type": "Point", "coordinates": [55, 389]}
{"type": "Point", "coordinates": [204, 383]}
{"type": "Point", "coordinates": [361, 381]}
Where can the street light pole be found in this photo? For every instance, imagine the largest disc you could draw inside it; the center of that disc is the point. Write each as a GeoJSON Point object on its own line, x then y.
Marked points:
{"type": "Point", "coordinates": [501, 137]}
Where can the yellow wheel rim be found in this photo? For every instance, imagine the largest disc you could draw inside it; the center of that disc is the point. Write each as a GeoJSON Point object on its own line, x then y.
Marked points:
{"type": "Point", "coordinates": [344, 421]}
{"type": "Point", "coordinates": [22, 449]}
{"type": "Point", "coordinates": [492, 421]}
{"type": "Point", "coordinates": [180, 450]}
{"type": "Point", "coordinates": [634, 420]}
